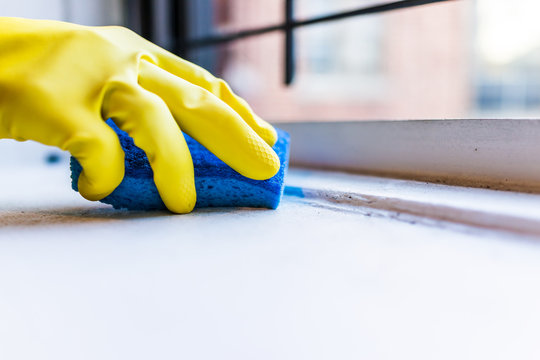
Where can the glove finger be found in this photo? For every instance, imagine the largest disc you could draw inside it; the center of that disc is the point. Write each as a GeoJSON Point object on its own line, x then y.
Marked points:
{"type": "Point", "coordinates": [212, 122]}
{"type": "Point", "coordinates": [202, 78]}
{"type": "Point", "coordinates": [98, 150]}
{"type": "Point", "coordinates": [146, 118]}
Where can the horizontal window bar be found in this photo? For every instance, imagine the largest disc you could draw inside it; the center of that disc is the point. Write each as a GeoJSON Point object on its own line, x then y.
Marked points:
{"type": "Point", "coordinates": [219, 39]}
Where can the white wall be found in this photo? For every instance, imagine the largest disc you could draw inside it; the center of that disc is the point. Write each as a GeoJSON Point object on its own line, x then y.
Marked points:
{"type": "Point", "coordinates": [86, 12]}
{"type": "Point", "coordinates": [93, 12]}
{"type": "Point", "coordinates": [36, 9]}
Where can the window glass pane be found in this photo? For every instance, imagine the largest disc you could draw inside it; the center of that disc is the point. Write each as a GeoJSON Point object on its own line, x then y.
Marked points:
{"type": "Point", "coordinates": [456, 59]}
{"type": "Point", "coordinates": [314, 8]}
{"type": "Point", "coordinates": [507, 59]}
{"type": "Point", "coordinates": [247, 14]}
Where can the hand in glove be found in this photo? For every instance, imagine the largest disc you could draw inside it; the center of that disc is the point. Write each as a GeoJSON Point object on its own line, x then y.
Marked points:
{"type": "Point", "coordinates": [59, 81]}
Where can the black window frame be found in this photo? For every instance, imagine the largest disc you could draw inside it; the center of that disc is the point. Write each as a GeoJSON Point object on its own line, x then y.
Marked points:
{"type": "Point", "coordinates": [165, 22]}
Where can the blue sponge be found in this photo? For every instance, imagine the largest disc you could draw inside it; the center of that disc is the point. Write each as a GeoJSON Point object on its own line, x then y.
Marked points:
{"type": "Point", "coordinates": [216, 183]}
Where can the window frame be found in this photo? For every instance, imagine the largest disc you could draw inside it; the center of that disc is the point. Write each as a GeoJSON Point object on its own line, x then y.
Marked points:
{"type": "Point", "coordinates": [166, 23]}
{"type": "Point", "coordinates": [488, 153]}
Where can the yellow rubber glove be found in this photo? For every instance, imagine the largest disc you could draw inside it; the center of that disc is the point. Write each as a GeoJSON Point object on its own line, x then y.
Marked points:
{"type": "Point", "coordinates": [59, 81]}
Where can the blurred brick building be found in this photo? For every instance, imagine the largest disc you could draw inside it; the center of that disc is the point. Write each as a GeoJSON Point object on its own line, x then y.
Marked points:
{"type": "Point", "coordinates": [406, 64]}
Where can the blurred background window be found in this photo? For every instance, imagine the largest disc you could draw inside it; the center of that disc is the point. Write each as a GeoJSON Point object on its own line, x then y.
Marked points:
{"type": "Point", "coordinates": [454, 59]}
{"type": "Point", "coordinates": [406, 64]}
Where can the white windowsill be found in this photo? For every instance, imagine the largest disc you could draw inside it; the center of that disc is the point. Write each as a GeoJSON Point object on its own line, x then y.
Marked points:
{"type": "Point", "coordinates": [345, 266]}
{"type": "Point", "coordinates": [40, 195]}
{"type": "Point", "coordinates": [427, 203]}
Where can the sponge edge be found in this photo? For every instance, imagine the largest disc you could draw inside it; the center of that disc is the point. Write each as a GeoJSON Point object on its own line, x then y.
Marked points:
{"type": "Point", "coordinates": [217, 184]}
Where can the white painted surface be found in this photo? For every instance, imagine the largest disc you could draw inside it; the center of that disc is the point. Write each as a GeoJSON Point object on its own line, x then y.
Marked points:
{"type": "Point", "coordinates": [79, 280]}
{"type": "Point", "coordinates": [27, 153]}
{"type": "Point", "coordinates": [33, 9]}
{"type": "Point", "coordinates": [498, 153]}
{"type": "Point", "coordinates": [420, 201]}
